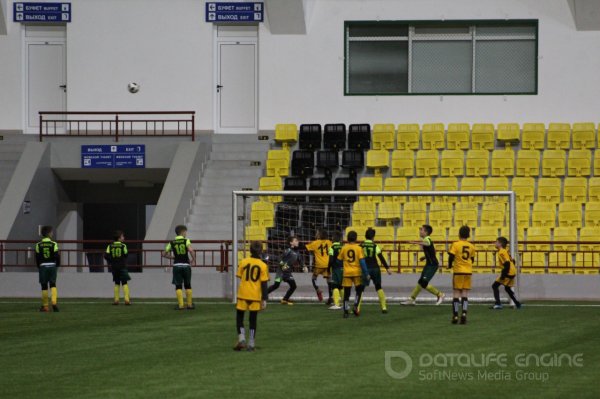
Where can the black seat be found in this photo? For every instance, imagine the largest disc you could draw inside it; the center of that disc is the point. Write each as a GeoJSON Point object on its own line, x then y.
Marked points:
{"type": "Point", "coordinates": [313, 218]}
{"type": "Point", "coordinates": [303, 163]}
{"type": "Point", "coordinates": [294, 184]}
{"type": "Point", "coordinates": [359, 136]}
{"type": "Point", "coordinates": [320, 184]}
{"type": "Point", "coordinates": [338, 218]}
{"type": "Point", "coordinates": [310, 137]}
{"type": "Point", "coordinates": [286, 217]}
{"type": "Point", "coordinates": [345, 184]}
{"type": "Point", "coordinates": [335, 136]}
{"type": "Point", "coordinates": [353, 159]}
{"type": "Point", "coordinates": [327, 159]}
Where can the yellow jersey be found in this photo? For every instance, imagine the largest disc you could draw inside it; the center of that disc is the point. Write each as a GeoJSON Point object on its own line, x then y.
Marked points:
{"type": "Point", "coordinates": [320, 249]}
{"type": "Point", "coordinates": [463, 252]}
{"type": "Point", "coordinates": [252, 272]}
{"type": "Point", "coordinates": [351, 254]}
{"type": "Point", "coordinates": [502, 257]}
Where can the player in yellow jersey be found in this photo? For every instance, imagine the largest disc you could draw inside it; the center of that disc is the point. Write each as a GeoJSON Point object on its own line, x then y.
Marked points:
{"type": "Point", "coordinates": [507, 275]}
{"type": "Point", "coordinates": [252, 294]}
{"type": "Point", "coordinates": [320, 249]}
{"type": "Point", "coordinates": [355, 270]}
{"type": "Point", "coordinates": [461, 258]}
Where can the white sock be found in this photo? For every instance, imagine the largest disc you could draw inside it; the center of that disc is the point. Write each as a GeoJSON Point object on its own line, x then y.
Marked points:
{"type": "Point", "coordinates": [242, 336]}
{"type": "Point", "coordinates": [252, 332]}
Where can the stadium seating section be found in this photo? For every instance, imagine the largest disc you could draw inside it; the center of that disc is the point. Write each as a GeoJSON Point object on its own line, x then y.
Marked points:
{"type": "Point", "coordinates": [554, 171]}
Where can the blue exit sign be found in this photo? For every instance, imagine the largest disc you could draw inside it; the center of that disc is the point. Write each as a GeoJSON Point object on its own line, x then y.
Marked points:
{"type": "Point", "coordinates": [234, 12]}
{"type": "Point", "coordinates": [42, 12]}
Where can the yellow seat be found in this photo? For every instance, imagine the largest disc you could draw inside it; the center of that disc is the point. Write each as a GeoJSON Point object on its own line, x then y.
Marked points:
{"type": "Point", "coordinates": [446, 184]}
{"type": "Point", "coordinates": [524, 188]}
{"type": "Point", "coordinates": [414, 214]}
{"type": "Point", "coordinates": [457, 137]}
{"type": "Point", "coordinates": [584, 136]}
{"type": "Point", "coordinates": [538, 239]}
{"type": "Point", "coordinates": [533, 136]}
{"type": "Point", "coordinates": [543, 215]}
{"type": "Point", "coordinates": [559, 136]}
{"type": "Point", "coordinates": [363, 213]}
{"type": "Point", "coordinates": [570, 214]}
{"type": "Point", "coordinates": [576, 189]}
{"type": "Point", "coordinates": [427, 163]}
{"type": "Point", "coordinates": [478, 163]}
{"type": "Point", "coordinates": [407, 137]}
{"type": "Point", "coordinates": [370, 183]}
{"type": "Point", "coordinates": [453, 163]}
{"type": "Point", "coordinates": [588, 255]}
{"type": "Point", "coordinates": [270, 184]}
{"type": "Point", "coordinates": [496, 184]}
{"type": "Point", "coordinates": [503, 162]}
{"type": "Point", "coordinates": [580, 162]}
{"type": "Point", "coordinates": [594, 189]}
{"type": "Point", "coordinates": [286, 133]}
{"type": "Point", "coordinates": [403, 163]}
{"type": "Point", "coordinates": [592, 215]}
{"type": "Point", "coordinates": [528, 163]}
{"type": "Point", "coordinates": [492, 214]}
{"type": "Point", "coordinates": [420, 184]}
{"type": "Point", "coordinates": [432, 136]}
{"type": "Point", "coordinates": [553, 163]}
{"type": "Point", "coordinates": [564, 246]}
{"type": "Point", "coordinates": [389, 211]}
{"type": "Point", "coordinates": [509, 133]}
{"type": "Point", "coordinates": [549, 190]}
{"type": "Point", "coordinates": [395, 184]}
{"type": "Point", "coordinates": [523, 214]}
{"type": "Point", "coordinates": [385, 238]}
{"type": "Point", "coordinates": [255, 233]}
{"type": "Point", "coordinates": [378, 159]}
{"type": "Point", "coordinates": [465, 214]}
{"type": "Point", "coordinates": [482, 136]}
{"type": "Point", "coordinates": [407, 255]}
{"type": "Point", "coordinates": [485, 259]}
{"type": "Point", "coordinates": [440, 214]}
{"type": "Point", "coordinates": [278, 162]}
{"type": "Point", "coordinates": [360, 231]}
{"type": "Point", "coordinates": [471, 184]}
{"type": "Point", "coordinates": [597, 162]}
{"type": "Point", "coordinates": [383, 136]}
{"type": "Point", "coordinates": [262, 214]}
{"type": "Point", "coordinates": [505, 232]}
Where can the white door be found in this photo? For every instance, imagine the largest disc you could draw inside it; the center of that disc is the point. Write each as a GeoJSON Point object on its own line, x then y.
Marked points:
{"type": "Point", "coordinates": [45, 80]}
{"type": "Point", "coordinates": [236, 87]}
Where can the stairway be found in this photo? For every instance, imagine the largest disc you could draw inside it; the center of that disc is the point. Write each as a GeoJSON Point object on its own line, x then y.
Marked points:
{"type": "Point", "coordinates": [230, 167]}
{"type": "Point", "coordinates": [11, 148]}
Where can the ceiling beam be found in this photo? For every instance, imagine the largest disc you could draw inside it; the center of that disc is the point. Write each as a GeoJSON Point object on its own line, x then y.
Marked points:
{"type": "Point", "coordinates": [586, 14]}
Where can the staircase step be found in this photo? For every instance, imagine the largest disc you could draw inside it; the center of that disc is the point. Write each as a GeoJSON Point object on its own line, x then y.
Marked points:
{"type": "Point", "coordinates": [240, 138]}
{"type": "Point", "coordinates": [233, 181]}
{"type": "Point", "coordinates": [239, 156]}
{"type": "Point", "coordinates": [214, 173]}
{"type": "Point", "coordinates": [240, 147]}
{"type": "Point", "coordinates": [234, 164]}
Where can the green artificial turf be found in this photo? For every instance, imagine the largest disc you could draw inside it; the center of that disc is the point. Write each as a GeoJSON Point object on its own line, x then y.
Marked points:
{"type": "Point", "coordinates": [91, 349]}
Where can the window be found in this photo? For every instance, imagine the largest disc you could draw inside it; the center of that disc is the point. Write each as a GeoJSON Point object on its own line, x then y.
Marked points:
{"type": "Point", "coordinates": [444, 57]}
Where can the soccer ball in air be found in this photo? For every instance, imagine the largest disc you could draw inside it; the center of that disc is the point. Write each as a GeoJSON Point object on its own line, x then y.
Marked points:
{"type": "Point", "coordinates": [133, 87]}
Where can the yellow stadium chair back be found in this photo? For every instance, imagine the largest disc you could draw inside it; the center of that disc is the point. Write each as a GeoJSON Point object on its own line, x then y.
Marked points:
{"type": "Point", "coordinates": [453, 163]}
{"type": "Point", "coordinates": [478, 163]}
{"type": "Point", "coordinates": [458, 136]}
{"type": "Point", "coordinates": [482, 136]}
{"type": "Point", "coordinates": [262, 214]}
{"type": "Point", "coordinates": [395, 184]}
{"type": "Point", "coordinates": [493, 214]}
{"type": "Point", "coordinates": [389, 211]}
{"type": "Point", "coordinates": [588, 238]}
{"type": "Point", "coordinates": [427, 163]}
{"type": "Point", "coordinates": [543, 215]}
{"type": "Point", "coordinates": [548, 190]}
{"type": "Point", "coordinates": [432, 136]}
{"type": "Point", "coordinates": [570, 214]}
{"type": "Point", "coordinates": [378, 159]}
{"type": "Point", "coordinates": [580, 162]}
{"type": "Point", "coordinates": [576, 189]}
{"type": "Point", "coordinates": [523, 214]}
{"type": "Point", "coordinates": [567, 234]}
{"type": "Point", "coordinates": [533, 137]}
{"type": "Point", "coordinates": [383, 234]}
{"type": "Point", "coordinates": [528, 163]}
{"type": "Point", "coordinates": [592, 215]}
{"type": "Point", "coordinates": [594, 189]}
{"type": "Point", "coordinates": [539, 234]}
{"type": "Point", "coordinates": [370, 183]}
{"type": "Point", "coordinates": [360, 231]}
{"type": "Point", "coordinates": [383, 136]}
{"type": "Point", "coordinates": [559, 136]}
{"type": "Point", "coordinates": [472, 184]}
{"type": "Point", "coordinates": [446, 184]}
{"type": "Point", "coordinates": [286, 133]}
{"type": "Point", "coordinates": [524, 188]}
{"type": "Point", "coordinates": [503, 162]}
{"type": "Point", "coordinates": [256, 233]}
{"type": "Point", "coordinates": [420, 184]}
{"type": "Point", "coordinates": [408, 252]}
{"type": "Point", "coordinates": [407, 137]}
{"type": "Point", "coordinates": [440, 214]}
{"type": "Point", "coordinates": [496, 184]}
{"type": "Point", "coordinates": [509, 133]}
{"type": "Point", "coordinates": [278, 162]}
{"type": "Point", "coordinates": [363, 213]}
{"type": "Point", "coordinates": [465, 214]}
{"type": "Point", "coordinates": [270, 184]}
{"type": "Point", "coordinates": [553, 163]}
{"type": "Point", "coordinates": [597, 162]}
{"type": "Point", "coordinates": [584, 135]}
{"type": "Point", "coordinates": [486, 251]}
{"type": "Point", "coordinates": [403, 163]}
{"type": "Point", "coordinates": [414, 214]}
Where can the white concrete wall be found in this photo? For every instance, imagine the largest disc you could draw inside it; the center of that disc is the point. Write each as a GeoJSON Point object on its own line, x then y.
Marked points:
{"type": "Point", "coordinates": [166, 46]}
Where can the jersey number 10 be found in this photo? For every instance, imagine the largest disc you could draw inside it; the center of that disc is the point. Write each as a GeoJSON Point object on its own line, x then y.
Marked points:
{"type": "Point", "coordinates": [252, 273]}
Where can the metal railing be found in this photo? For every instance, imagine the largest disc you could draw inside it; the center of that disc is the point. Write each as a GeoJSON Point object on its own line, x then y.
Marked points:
{"type": "Point", "coordinates": [117, 123]}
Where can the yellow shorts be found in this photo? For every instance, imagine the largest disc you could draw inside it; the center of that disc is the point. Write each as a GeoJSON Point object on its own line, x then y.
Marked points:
{"type": "Point", "coordinates": [243, 305]}
{"type": "Point", "coordinates": [322, 271]}
{"type": "Point", "coordinates": [508, 281]}
{"type": "Point", "coordinates": [461, 281]}
{"type": "Point", "coordinates": [349, 281]}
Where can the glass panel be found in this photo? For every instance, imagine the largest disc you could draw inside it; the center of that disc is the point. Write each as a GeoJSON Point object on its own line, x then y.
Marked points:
{"type": "Point", "coordinates": [499, 30]}
{"type": "Point", "coordinates": [378, 67]}
{"type": "Point", "coordinates": [505, 66]}
{"type": "Point", "coordinates": [375, 29]}
{"type": "Point", "coordinates": [441, 29]}
{"type": "Point", "coordinates": [442, 66]}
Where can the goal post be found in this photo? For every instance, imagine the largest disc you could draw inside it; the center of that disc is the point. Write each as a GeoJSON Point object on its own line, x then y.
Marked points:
{"type": "Point", "coordinates": [301, 213]}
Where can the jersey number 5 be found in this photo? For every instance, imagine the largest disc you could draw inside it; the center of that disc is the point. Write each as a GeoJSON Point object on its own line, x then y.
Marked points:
{"type": "Point", "coordinates": [465, 252]}
{"type": "Point", "coordinates": [252, 273]}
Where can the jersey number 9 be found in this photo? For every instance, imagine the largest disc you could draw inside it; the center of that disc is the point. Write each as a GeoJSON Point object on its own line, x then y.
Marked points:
{"type": "Point", "coordinates": [351, 256]}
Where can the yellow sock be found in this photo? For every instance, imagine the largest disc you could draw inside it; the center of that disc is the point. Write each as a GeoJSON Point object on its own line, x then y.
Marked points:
{"type": "Point", "coordinates": [342, 292]}
{"type": "Point", "coordinates": [54, 295]}
{"type": "Point", "coordinates": [416, 292]}
{"type": "Point", "coordinates": [188, 296]}
{"type": "Point", "coordinates": [359, 303]}
{"type": "Point", "coordinates": [45, 298]}
{"type": "Point", "coordinates": [382, 301]}
{"type": "Point", "coordinates": [126, 292]}
{"type": "Point", "coordinates": [179, 298]}
{"type": "Point", "coordinates": [116, 290]}
{"type": "Point", "coordinates": [336, 296]}
{"type": "Point", "coordinates": [433, 290]}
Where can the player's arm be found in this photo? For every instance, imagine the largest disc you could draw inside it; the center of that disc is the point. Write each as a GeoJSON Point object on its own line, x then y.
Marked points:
{"type": "Point", "coordinates": [264, 288]}
{"type": "Point", "coordinates": [167, 252]}
{"type": "Point", "coordinates": [107, 255]}
{"type": "Point", "coordinates": [382, 259]}
{"type": "Point", "coordinates": [38, 256]}
{"type": "Point", "coordinates": [425, 243]}
{"type": "Point", "coordinates": [451, 255]}
{"type": "Point", "coordinates": [56, 255]}
{"type": "Point", "coordinates": [191, 252]}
